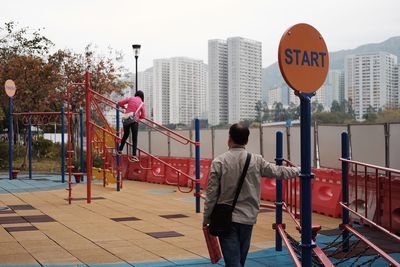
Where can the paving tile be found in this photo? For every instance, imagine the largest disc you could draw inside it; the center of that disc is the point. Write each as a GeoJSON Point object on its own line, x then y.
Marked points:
{"type": "Point", "coordinates": [125, 219]}
{"type": "Point", "coordinates": [11, 219]}
{"type": "Point", "coordinates": [20, 228]}
{"type": "Point", "coordinates": [21, 207]}
{"type": "Point", "coordinates": [173, 216]}
{"type": "Point", "coordinates": [38, 218]}
{"type": "Point", "coordinates": [23, 259]}
{"type": "Point", "coordinates": [164, 234]}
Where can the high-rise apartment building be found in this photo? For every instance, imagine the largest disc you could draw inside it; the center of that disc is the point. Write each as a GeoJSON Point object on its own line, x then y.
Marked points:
{"type": "Point", "coordinates": [396, 84]}
{"type": "Point", "coordinates": [188, 90]}
{"type": "Point", "coordinates": [244, 78]}
{"type": "Point", "coordinates": [161, 90]}
{"type": "Point", "coordinates": [218, 81]}
{"type": "Point", "coordinates": [335, 80]}
{"type": "Point", "coordinates": [279, 95]}
{"type": "Point", "coordinates": [369, 81]}
{"type": "Point", "coordinates": [145, 84]}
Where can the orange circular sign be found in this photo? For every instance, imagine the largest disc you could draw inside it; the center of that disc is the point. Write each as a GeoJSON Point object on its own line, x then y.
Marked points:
{"type": "Point", "coordinates": [10, 88]}
{"type": "Point", "coordinates": [303, 58]}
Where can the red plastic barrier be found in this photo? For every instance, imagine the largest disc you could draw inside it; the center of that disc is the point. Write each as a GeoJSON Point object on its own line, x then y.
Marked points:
{"type": "Point", "coordinates": [392, 212]}
{"type": "Point", "coordinates": [268, 189]}
{"type": "Point", "coordinates": [327, 192]}
{"type": "Point", "coordinates": [205, 165]}
{"type": "Point", "coordinates": [171, 176]}
{"type": "Point", "coordinates": [357, 196]}
{"type": "Point", "coordinates": [157, 172]}
{"type": "Point", "coordinates": [137, 170]}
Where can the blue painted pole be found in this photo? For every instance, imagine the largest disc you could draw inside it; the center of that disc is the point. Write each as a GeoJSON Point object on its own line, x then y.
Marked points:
{"type": "Point", "coordinates": [278, 203]}
{"type": "Point", "coordinates": [118, 159]}
{"type": "Point", "coordinates": [62, 146]}
{"type": "Point", "coordinates": [345, 193]}
{"type": "Point", "coordinates": [305, 184]}
{"type": "Point", "coordinates": [10, 136]}
{"type": "Point", "coordinates": [197, 154]}
{"type": "Point", "coordinates": [30, 146]}
{"type": "Point", "coordinates": [81, 142]}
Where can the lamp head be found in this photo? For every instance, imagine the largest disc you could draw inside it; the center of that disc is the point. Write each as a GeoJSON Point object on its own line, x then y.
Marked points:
{"type": "Point", "coordinates": [136, 49]}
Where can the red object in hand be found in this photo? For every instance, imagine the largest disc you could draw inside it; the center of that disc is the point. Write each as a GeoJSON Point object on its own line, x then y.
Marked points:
{"type": "Point", "coordinates": [212, 245]}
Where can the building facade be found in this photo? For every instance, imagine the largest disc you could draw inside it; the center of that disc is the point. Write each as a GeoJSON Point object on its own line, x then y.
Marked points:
{"type": "Point", "coordinates": [370, 82]}
{"type": "Point", "coordinates": [244, 78]}
{"type": "Point", "coordinates": [188, 90]}
{"type": "Point", "coordinates": [145, 84]}
{"type": "Point", "coordinates": [161, 90]}
{"type": "Point", "coordinates": [218, 81]}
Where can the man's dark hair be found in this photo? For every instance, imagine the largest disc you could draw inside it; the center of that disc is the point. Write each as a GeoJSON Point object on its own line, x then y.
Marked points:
{"type": "Point", "coordinates": [239, 133]}
{"type": "Point", "coordinates": [140, 94]}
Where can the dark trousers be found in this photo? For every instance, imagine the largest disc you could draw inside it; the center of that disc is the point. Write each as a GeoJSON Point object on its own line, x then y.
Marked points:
{"type": "Point", "coordinates": [236, 244]}
{"type": "Point", "coordinates": [134, 127]}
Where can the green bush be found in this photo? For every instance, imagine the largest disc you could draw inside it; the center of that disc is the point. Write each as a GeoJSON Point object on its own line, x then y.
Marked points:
{"type": "Point", "coordinates": [42, 147]}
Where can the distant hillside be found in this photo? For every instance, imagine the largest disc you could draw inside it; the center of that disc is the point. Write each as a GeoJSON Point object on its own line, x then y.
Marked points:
{"type": "Point", "coordinates": [272, 76]}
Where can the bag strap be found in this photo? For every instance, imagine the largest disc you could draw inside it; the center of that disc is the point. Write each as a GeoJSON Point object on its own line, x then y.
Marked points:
{"type": "Point", "coordinates": [141, 104]}
{"type": "Point", "coordinates": [241, 180]}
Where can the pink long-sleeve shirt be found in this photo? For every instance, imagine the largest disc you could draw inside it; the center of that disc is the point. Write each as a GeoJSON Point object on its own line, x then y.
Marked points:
{"type": "Point", "coordinates": [133, 104]}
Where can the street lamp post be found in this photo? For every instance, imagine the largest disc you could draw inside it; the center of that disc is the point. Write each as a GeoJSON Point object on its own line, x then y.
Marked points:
{"type": "Point", "coordinates": [136, 50]}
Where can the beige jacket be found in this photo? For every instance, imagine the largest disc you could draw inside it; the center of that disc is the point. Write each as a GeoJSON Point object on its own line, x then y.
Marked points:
{"type": "Point", "coordinates": [225, 172]}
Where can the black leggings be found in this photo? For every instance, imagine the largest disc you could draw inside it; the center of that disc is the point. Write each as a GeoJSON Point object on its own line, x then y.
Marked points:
{"type": "Point", "coordinates": [134, 127]}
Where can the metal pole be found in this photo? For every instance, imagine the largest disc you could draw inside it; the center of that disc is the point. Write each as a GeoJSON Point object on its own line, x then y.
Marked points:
{"type": "Point", "coordinates": [62, 146]}
{"type": "Point", "coordinates": [278, 203]}
{"type": "Point", "coordinates": [345, 196]}
{"type": "Point", "coordinates": [118, 158]}
{"type": "Point", "coordinates": [197, 132]}
{"type": "Point", "coordinates": [10, 135]}
{"type": "Point", "coordinates": [88, 141]}
{"type": "Point", "coordinates": [81, 142]}
{"type": "Point", "coordinates": [306, 215]}
{"type": "Point", "coordinates": [136, 82]}
{"type": "Point", "coordinates": [30, 145]}
{"type": "Point", "coordinates": [387, 144]}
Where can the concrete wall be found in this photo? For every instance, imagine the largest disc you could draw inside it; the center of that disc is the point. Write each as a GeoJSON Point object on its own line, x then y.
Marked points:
{"type": "Point", "coordinates": [367, 143]}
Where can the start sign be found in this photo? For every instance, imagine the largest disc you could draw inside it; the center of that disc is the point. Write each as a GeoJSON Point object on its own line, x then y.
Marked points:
{"type": "Point", "coordinates": [303, 58]}
{"type": "Point", "coordinates": [10, 88]}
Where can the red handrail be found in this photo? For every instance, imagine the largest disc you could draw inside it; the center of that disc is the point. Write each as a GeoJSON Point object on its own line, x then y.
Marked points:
{"type": "Point", "coordinates": [111, 103]}
{"type": "Point", "coordinates": [169, 131]}
{"type": "Point", "coordinates": [148, 154]}
{"type": "Point", "coordinates": [370, 222]}
{"type": "Point", "coordinates": [288, 246]}
{"type": "Point", "coordinates": [370, 165]}
{"type": "Point", "coordinates": [383, 254]}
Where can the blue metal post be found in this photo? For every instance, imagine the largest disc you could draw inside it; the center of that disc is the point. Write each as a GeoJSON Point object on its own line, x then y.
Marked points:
{"type": "Point", "coordinates": [62, 146]}
{"type": "Point", "coordinates": [345, 195]}
{"type": "Point", "coordinates": [10, 135]}
{"type": "Point", "coordinates": [118, 159]}
{"type": "Point", "coordinates": [30, 146]}
{"type": "Point", "coordinates": [278, 203]}
{"type": "Point", "coordinates": [81, 141]}
{"type": "Point", "coordinates": [305, 184]}
{"type": "Point", "coordinates": [197, 153]}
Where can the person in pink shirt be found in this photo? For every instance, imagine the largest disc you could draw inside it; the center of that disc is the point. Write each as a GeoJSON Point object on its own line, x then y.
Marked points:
{"type": "Point", "coordinates": [132, 104]}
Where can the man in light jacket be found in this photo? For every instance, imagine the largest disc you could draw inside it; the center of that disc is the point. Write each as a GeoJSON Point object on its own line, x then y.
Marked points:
{"type": "Point", "coordinates": [225, 172]}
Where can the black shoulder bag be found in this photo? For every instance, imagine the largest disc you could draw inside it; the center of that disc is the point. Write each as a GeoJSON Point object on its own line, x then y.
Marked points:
{"type": "Point", "coordinates": [221, 216]}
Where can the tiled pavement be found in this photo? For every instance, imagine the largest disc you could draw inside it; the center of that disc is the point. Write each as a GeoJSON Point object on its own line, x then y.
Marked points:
{"type": "Point", "coordinates": [142, 225]}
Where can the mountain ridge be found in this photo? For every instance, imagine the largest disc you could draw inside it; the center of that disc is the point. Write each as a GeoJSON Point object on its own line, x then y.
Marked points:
{"type": "Point", "coordinates": [272, 77]}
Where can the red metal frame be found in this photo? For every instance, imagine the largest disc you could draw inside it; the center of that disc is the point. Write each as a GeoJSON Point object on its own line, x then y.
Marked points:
{"type": "Point", "coordinates": [375, 171]}
{"type": "Point", "coordinates": [370, 222]}
{"type": "Point", "coordinates": [193, 180]}
{"type": "Point", "coordinates": [288, 246]}
{"type": "Point", "coordinates": [383, 254]}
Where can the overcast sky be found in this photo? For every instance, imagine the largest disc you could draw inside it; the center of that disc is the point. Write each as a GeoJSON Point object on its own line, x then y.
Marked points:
{"type": "Point", "coordinates": [167, 28]}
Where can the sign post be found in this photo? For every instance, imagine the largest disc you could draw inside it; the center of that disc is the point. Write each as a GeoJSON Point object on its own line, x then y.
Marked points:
{"type": "Point", "coordinates": [304, 62]}
{"type": "Point", "coordinates": [10, 89]}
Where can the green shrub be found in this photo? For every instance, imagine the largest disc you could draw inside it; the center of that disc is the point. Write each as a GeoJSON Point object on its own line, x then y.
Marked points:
{"type": "Point", "coordinates": [42, 147]}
